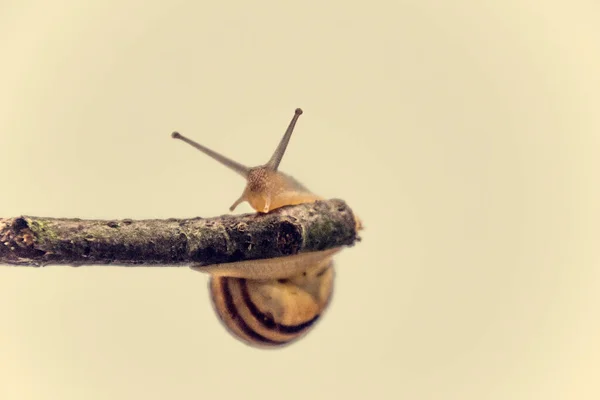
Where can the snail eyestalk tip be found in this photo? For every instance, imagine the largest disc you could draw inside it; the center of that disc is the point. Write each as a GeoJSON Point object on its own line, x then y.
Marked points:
{"type": "Point", "coordinates": [229, 163]}
{"type": "Point", "coordinates": [273, 163]}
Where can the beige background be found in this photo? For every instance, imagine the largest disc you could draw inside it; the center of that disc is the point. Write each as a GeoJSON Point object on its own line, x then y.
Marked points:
{"type": "Point", "coordinates": [465, 134]}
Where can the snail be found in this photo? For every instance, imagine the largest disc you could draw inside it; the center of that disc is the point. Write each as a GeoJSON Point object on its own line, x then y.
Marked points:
{"type": "Point", "coordinates": [273, 302]}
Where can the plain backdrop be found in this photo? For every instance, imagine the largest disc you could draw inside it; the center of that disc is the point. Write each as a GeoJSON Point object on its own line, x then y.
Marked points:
{"type": "Point", "coordinates": [465, 134]}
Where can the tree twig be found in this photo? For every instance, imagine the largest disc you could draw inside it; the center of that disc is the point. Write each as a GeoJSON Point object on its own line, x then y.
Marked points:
{"type": "Point", "coordinates": [41, 241]}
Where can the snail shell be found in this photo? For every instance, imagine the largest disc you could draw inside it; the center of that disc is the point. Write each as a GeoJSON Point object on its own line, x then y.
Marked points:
{"type": "Point", "coordinates": [273, 312]}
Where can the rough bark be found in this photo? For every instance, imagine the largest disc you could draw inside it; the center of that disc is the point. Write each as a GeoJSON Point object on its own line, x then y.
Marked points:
{"type": "Point", "coordinates": [41, 241]}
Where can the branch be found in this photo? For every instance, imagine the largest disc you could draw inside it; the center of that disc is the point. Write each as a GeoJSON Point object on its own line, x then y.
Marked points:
{"type": "Point", "coordinates": [41, 241]}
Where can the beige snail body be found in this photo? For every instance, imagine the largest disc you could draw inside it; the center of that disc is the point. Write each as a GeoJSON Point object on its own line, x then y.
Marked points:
{"type": "Point", "coordinates": [273, 302]}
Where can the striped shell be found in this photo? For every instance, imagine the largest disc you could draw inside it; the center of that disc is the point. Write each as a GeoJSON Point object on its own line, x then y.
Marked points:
{"type": "Point", "coordinates": [272, 313]}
